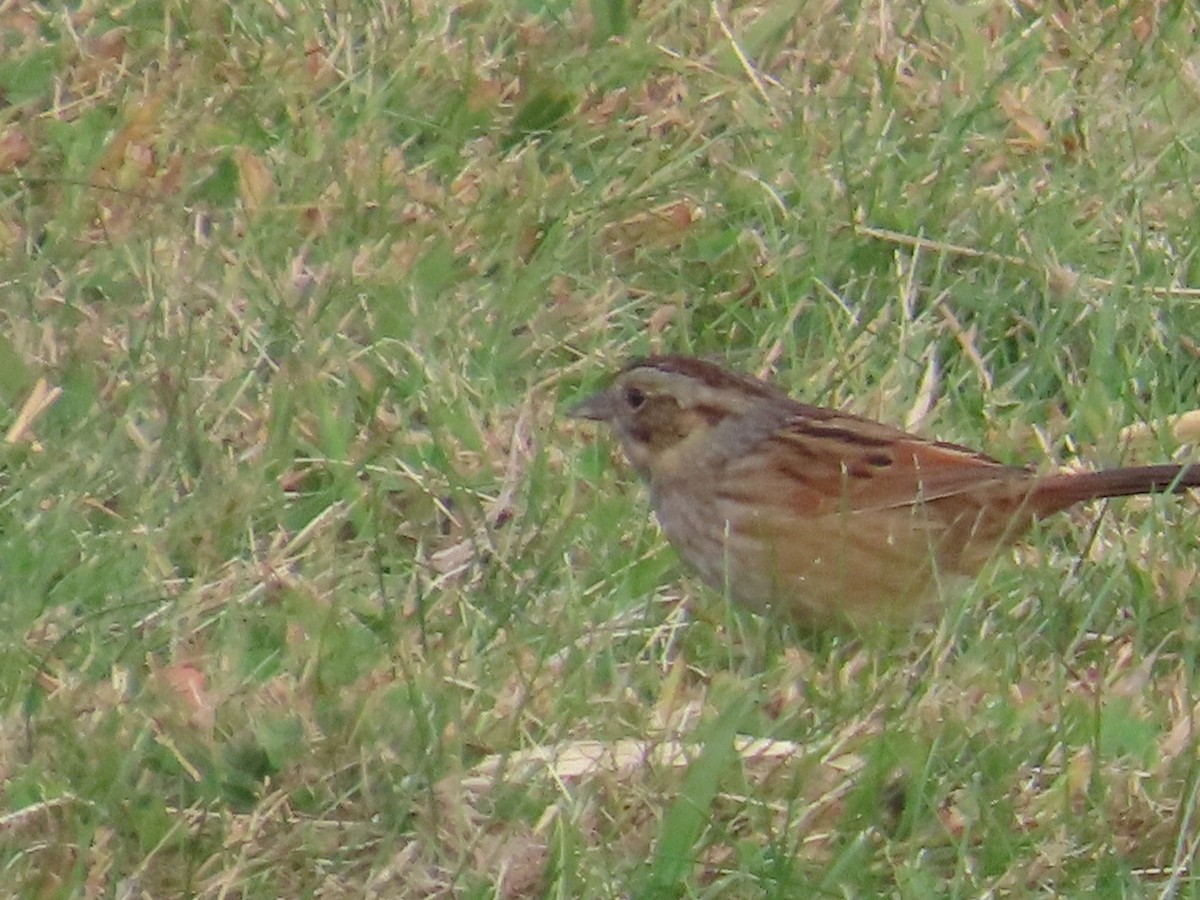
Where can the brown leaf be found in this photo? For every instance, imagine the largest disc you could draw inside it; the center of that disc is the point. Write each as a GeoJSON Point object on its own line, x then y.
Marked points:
{"type": "Point", "coordinates": [140, 130]}
{"type": "Point", "coordinates": [17, 21]}
{"type": "Point", "coordinates": [110, 46]}
{"type": "Point", "coordinates": [190, 685]}
{"type": "Point", "coordinates": [1036, 134]}
{"type": "Point", "coordinates": [318, 67]}
{"type": "Point", "coordinates": [256, 184]}
{"type": "Point", "coordinates": [314, 221]}
{"type": "Point", "coordinates": [662, 228]}
{"type": "Point", "coordinates": [12, 236]}
{"type": "Point", "coordinates": [1143, 439]}
{"type": "Point", "coordinates": [15, 149]}
{"type": "Point", "coordinates": [660, 319]}
{"type": "Point", "coordinates": [1143, 24]}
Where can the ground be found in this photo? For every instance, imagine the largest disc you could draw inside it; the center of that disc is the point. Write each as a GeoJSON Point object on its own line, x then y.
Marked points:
{"type": "Point", "coordinates": [311, 589]}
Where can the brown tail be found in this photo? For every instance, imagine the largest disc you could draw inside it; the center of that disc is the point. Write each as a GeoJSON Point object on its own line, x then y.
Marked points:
{"type": "Point", "coordinates": [1060, 491]}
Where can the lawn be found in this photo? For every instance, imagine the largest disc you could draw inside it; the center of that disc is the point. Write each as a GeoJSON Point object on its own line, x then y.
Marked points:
{"type": "Point", "coordinates": [308, 587]}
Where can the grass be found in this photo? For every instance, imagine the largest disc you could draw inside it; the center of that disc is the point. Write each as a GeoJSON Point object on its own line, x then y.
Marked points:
{"type": "Point", "coordinates": [310, 589]}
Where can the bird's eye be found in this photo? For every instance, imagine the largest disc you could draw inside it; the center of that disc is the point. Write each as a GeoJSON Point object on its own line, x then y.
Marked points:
{"type": "Point", "coordinates": [634, 398]}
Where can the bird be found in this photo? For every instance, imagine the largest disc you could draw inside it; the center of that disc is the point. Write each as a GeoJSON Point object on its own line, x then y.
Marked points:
{"type": "Point", "coordinates": [820, 515]}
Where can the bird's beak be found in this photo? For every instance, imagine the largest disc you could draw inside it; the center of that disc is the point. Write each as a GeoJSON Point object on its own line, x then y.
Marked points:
{"type": "Point", "coordinates": [597, 407]}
